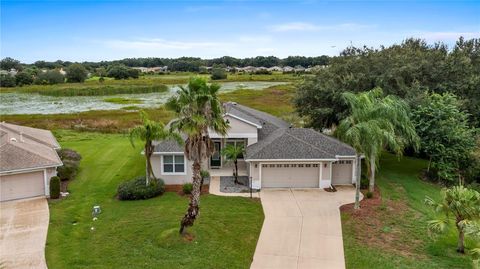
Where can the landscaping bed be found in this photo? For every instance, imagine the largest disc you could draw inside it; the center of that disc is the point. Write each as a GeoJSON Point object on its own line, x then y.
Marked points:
{"type": "Point", "coordinates": [227, 184]}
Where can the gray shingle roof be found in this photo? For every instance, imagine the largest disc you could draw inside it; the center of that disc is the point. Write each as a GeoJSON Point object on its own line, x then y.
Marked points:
{"type": "Point", "coordinates": [34, 148]}
{"type": "Point", "coordinates": [298, 143]}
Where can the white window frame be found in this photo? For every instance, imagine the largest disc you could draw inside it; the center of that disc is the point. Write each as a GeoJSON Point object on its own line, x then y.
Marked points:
{"type": "Point", "coordinates": [175, 173]}
{"type": "Point", "coordinates": [234, 141]}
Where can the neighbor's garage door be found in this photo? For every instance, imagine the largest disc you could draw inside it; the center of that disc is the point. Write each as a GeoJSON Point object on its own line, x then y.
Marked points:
{"type": "Point", "coordinates": [290, 175]}
{"type": "Point", "coordinates": [19, 186]}
{"type": "Point", "coordinates": [342, 172]}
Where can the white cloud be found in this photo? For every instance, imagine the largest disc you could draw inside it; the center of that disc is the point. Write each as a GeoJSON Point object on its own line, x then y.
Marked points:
{"type": "Point", "coordinates": [305, 26]}
{"type": "Point", "coordinates": [255, 38]}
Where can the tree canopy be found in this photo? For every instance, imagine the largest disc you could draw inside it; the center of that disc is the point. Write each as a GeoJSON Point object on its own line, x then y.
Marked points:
{"type": "Point", "coordinates": [76, 73]}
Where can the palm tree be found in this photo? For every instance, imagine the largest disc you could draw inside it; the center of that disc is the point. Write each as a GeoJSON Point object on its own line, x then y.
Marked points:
{"type": "Point", "coordinates": [148, 132]}
{"type": "Point", "coordinates": [198, 109]}
{"type": "Point", "coordinates": [463, 204]}
{"type": "Point", "coordinates": [232, 152]}
{"type": "Point", "coordinates": [376, 123]}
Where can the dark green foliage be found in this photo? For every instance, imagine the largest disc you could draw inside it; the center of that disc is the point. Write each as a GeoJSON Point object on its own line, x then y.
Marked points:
{"type": "Point", "coordinates": [119, 71]}
{"type": "Point", "coordinates": [218, 73]}
{"type": "Point", "coordinates": [369, 194]}
{"type": "Point", "coordinates": [364, 182]}
{"type": "Point", "coordinates": [7, 80]}
{"type": "Point", "coordinates": [23, 78]}
{"type": "Point", "coordinates": [54, 188]}
{"type": "Point", "coordinates": [187, 188]}
{"type": "Point", "coordinates": [447, 139]}
{"type": "Point", "coordinates": [68, 170]}
{"type": "Point", "coordinates": [136, 189]}
{"type": "Point", "coordinates": [69, 154]}
{"type": "Point", "coordinates": [49, 77]}
{"type": "Point", "coordinates": [76, 73]}
{"type": "Point", "coordinates": [9, 63]}
{"type": "Point", "coordinates": [405, 70]}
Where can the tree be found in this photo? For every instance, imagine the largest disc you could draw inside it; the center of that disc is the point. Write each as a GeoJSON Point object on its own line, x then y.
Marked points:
{"type": "Point", "coordinates": [76, 73]}
{"type": "Point", "coordinates": [9, 63]}
{"type": "Point", "coordinates": [7, 80]}
{"type": "Point", "coordinates": [148, 132]}
{"type": "Point", "coordinates": [232, 152]}
{"type": "Point", "coordinates": [118, 71]}
{"type": "Point", "coordinates": [23, 78]}
{"type": "Point", "coordinates": [198, 109]}
{"type": "Point", "coordinates": [218, 73]}
{"type": "Point", "coordinates": [463, 204]}
{"type": "Point", "coordinates": [376, 123]}
{"type": "Point", "coordinates": [50, 77]}
{"type": "Point", "coordinates": [447, 138]}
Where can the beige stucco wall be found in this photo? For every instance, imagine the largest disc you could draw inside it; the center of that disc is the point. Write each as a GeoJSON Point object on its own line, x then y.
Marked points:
{"type": "Point", "coordinates": [239, 129]}
{"type": "Point", "coordinates": [170, 179]}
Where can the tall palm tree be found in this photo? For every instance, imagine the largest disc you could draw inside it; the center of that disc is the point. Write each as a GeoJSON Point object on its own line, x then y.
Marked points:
{"type": "Point", "coordinates": [198, 109]}
{"type": "Point", "coordinates": [376, 123]}
{"type": "Point", "coordinates": [148, 132]}
{"type": "Point", "coordinates": [232, 153]}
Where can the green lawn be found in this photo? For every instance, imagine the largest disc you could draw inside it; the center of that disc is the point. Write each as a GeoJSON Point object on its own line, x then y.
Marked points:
{"type": "Point", "coordinates": [141, 234]}
{"type": "Point", "coordinates": [393, 234]}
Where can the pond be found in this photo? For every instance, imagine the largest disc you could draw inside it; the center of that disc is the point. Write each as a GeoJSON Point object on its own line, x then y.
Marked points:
{"type": "Point", "coordinates": [33, 103]}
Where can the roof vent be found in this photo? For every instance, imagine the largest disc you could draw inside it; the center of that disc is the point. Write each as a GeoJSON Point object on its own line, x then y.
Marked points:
{"type": "Point", "coordinates": [13, 139]}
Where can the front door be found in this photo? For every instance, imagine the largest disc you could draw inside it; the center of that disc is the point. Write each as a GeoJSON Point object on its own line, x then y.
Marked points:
{"type": "Point", "coordinates": [216, 159]}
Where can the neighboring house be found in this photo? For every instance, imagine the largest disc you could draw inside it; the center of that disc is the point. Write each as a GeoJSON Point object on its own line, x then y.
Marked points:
{"type": "Point", "coordinates": [28, 159]}
{"type": "Point", "coordinates": [277, 155]}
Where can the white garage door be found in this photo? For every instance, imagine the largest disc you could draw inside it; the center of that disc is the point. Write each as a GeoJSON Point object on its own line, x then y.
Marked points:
{"type": "Point", "coordinates": [24, 185]}
{"type": "Point", "coordinates": [290, 175]}
{"type": "Point", "coordinates": [342, 172]}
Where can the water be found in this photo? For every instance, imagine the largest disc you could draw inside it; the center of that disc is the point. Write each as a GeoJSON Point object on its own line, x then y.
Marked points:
{"type": "Point", "coordinates": [33, 103]}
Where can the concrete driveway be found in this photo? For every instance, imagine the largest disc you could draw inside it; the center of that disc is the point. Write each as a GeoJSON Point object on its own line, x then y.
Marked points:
{"type": "Point", "coordinates": [302, 228]}
{"type": "Point", "coordinates": [23, 232]}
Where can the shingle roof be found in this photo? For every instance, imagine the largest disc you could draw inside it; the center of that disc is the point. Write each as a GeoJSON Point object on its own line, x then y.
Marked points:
{"type": "Point", "coordinates": [298, 143]}
{"type": "Point", "coordinates": [32, 149]}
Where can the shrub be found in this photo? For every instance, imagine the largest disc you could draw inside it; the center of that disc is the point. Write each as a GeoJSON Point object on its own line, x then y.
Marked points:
{"type": "Point", "coordinates": [187, 188]}
{"type": "Point", "coordinates": [76, 73]}
{"type": "Point", "coordinates": [7, 81]}
{"type": "Point", "coordinates": [136, 189]}
{"type": "Point", "coordinates": [50, 77]}
{"type": "Point", "coordinates": [23, 78]}
{"type": "Point", "coordinates": [369, 194]}
{"type": "Point", "coordinates": [68, 170]}
{"type": "Point", "coordinates": [364, 182]}
{"type": "Point", "coordinates": [69, 154]}
{"type": "Point", "coordinates": [218, 73]}
{"type": "Point", "coordinates": [54, 187]}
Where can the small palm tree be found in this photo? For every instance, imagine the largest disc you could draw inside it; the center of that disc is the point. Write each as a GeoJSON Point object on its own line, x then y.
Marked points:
{"type": "Point", "coordinates": [232, 152]}
{"type": "Point", "coordinates": [375, 123]}
{"type": "Point", "coordinates": [148, 132]}
{"type": "Point", "coordinates": [198, 109]}
{"type": "Point", "coordinates": [461, 203]}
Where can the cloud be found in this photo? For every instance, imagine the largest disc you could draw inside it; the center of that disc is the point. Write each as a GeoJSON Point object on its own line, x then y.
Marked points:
{"type": "Point", "coordinates": [447, 36]}
{"type": "Point", "coordinates": [309, 27]}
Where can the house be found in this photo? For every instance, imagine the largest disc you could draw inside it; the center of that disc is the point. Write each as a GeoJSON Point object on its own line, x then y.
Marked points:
{"type": "Point", "coordinates": [28, 159]}
{"type": "Point", "coordinates": [277, 154]}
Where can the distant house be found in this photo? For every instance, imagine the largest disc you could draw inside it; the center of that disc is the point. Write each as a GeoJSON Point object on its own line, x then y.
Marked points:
{"type": "Point", "coordinates": [275, 69]}
{"type": "Point", "coordinates": [288, 69]}
{"type": "Point", "coordinates": [158, 69]}
{"type": "Point", "coordinates": [28, 159]}
{"type": "Point", "coordinates": [61, 71]}
{"type": "Point", "coordinates": [276, 156]}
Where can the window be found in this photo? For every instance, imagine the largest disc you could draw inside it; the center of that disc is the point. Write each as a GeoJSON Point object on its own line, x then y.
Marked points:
{"type": "Point", "coordinates": [264, 165]}
{"type": "Point", "coordinates": [286, 165]}
{"type": "Point", "coordinates": [315, 165]}
{"type": "Point", "coordinates": [300, 165]}
{"type": "Point", "coordinates": [308, 165]}
{"type": "Point", "coordinates": [349, 162]}
{"type": "Point", "coordinates": [272, 166]}
{"type": "Point", "coordinates": [294, 165]}
{"type": "Point", "coordinates": [173, 164]}
{"type": "Point", "coordinates": [238, 143]}
{"type": "Point", "coordinates": [279, 165]}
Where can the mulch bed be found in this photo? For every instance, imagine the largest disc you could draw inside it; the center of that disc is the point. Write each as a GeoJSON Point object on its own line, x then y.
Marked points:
{"type": "Point", "coordinates": [179, 189]}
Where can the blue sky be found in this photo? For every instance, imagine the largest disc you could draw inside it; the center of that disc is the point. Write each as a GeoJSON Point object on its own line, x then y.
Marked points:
{"type": "Point", "coordinates": [107, 30]}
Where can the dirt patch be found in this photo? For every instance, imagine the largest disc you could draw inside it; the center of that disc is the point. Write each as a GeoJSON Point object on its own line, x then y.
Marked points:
{"type": "Point", "coordinates": [188, 237]}
{"type": "Point", "coordinates": [383, 223]}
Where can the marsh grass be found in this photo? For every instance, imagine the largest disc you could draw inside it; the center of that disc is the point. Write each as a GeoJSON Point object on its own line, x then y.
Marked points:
{"type": "Point", "coordinates": [122, 100]}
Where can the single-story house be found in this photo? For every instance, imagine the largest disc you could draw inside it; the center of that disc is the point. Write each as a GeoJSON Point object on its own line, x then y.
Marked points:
{"type": "Point", "coordinates": [28, 159]}
{"type": "Point", "coordinates": [276, 154]}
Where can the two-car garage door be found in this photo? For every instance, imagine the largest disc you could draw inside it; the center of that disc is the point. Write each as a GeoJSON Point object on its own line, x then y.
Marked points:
{"type": "Point", "coordinates": [290, 175]}
{"type": "Point", "coordinates": [23, 185]}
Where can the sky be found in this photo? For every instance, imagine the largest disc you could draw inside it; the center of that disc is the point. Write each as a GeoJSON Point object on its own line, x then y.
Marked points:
{"type": "Point", "coordinates": [108, 30]}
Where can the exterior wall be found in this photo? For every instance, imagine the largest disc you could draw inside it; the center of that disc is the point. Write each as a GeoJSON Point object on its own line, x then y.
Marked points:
{"type": "Point", "coordinates": [171, 179]}
{"type": "Point", "coordinates": [239, 129]}
{"type": "Point", "coordinates": [50, 172]}
{"type": "Point", "coordinates": [254, 173]}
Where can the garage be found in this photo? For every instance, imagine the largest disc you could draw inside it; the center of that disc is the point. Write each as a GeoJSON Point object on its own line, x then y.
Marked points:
{"type": "Point", "coordinates": [24, 185]}
{"type": "Point", "coordinates": [342, 172]}
{"type": "Point", "coordinates": [298, 175]}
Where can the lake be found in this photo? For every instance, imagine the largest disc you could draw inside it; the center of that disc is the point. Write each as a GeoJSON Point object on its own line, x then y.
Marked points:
{"type": "Point", "coordinates": [33, 103]}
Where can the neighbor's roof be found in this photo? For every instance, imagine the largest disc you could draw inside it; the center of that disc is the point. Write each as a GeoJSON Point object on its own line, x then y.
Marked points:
{"type": "Point", "coordinates": [298, 143]}
{"type": "Point", "coordinates": [26, 148]}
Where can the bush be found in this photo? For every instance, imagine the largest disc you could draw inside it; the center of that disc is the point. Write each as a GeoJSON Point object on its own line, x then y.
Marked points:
{"type": "Point", "coordinates": [50, 77]}
{"type": "Point", "coordinates": [187, 188]}
{"type": "Point", "coordinates": [76, 73]}
{"type": "Point", "coordinates": [364, 182]}
{"type": "Point", "coordinates": [54, 187]}
{"type": "Point", "coordinates": [69, 154]}
{"type": "Point", "coordinates": [218, 73]}
{"type": "Point", "coordinates": [7, 81]}
{"type": "Point", "coordinates": [369, 194]}
{"type": "Point", "coordinates": [23, 78]}
{"type": "Point", "coordinates": [68, 170]}
{"type": "Point", "coordinates": [136, 189]}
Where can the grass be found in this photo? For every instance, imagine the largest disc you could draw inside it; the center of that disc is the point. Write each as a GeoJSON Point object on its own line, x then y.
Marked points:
{"type": "Point", "coordinates": [275, 100]}
{"type": "Point", "coordinates": [141, 234]}
{"type": "Point", "coordinates": [122, 100]}
{"type": "Point", "coordinates": [393, 234]}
